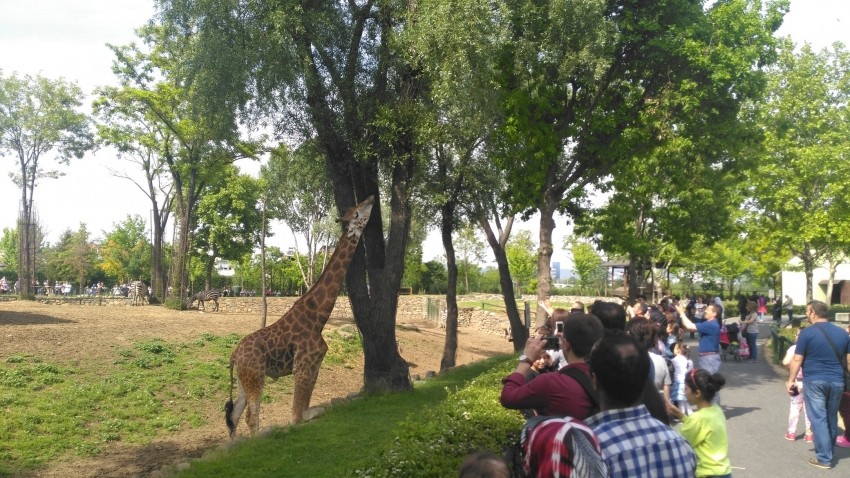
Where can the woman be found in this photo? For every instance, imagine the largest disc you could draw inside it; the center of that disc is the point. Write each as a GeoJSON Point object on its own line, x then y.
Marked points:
{"type": "Point", "coordinates": [751, 330]}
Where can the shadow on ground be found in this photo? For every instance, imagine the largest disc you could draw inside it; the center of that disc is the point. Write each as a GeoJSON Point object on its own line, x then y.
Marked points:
{"type": "Point", "coordinates": [25, 318]}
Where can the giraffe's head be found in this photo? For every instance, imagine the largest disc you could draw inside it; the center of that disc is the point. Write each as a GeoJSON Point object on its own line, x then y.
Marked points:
{"type": "Point", "coordinates": [357, 217]}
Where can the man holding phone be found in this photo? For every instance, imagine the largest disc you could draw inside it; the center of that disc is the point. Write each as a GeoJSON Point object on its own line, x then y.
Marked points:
{"type": "Point", "coordinates": [563, 393]}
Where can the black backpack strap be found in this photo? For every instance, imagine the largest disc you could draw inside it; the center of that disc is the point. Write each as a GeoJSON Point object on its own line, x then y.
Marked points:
{"type": "Point", "coordinates": [584, 381]}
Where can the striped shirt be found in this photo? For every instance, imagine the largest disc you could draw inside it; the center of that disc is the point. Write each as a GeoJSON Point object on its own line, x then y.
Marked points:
{"type": "Point", "coordinates": [634, 444]}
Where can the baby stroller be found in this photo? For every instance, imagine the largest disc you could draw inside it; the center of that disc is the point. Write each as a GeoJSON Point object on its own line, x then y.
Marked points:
{"type": "Point", "coordinates": [729, 342]}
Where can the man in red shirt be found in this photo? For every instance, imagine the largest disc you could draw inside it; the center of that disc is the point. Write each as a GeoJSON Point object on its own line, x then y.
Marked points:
{"type": "Point", "coordinates": [555, 393]}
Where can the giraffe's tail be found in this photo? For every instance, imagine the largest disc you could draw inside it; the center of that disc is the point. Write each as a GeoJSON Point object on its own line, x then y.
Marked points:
{"type": "Point", "coordinates": [228, 406]}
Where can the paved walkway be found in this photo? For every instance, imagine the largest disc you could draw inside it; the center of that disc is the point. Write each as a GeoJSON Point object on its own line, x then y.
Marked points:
{"type": "Point", "coordinates": [756, 407]}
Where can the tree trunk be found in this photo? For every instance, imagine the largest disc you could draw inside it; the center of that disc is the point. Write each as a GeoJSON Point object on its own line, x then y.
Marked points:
{"type": "Point", "coordinates": [544, 259]}
{"type": "Point", "coordinates": [518, 331]}
{"type": "Point", "coordinates": [264, 309]}
{"type": "Point", "coordinates": [632, 277]}
{"type": "Point", "coordinates": [450, 349]}
{"type": "Point", "coordinates": [808, 267]}
{"type": "Point", "coordinates": [833, 264]}
{"type": "Point", "coordinates": [208, 272]}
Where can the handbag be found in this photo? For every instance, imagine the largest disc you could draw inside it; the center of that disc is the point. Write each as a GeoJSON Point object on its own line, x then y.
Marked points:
{"type": "Point", "coordinates": [842, 360]}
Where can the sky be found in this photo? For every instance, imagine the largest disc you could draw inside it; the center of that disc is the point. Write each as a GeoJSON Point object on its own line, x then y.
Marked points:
{"type": "Point", "coordinates": [62, 38]}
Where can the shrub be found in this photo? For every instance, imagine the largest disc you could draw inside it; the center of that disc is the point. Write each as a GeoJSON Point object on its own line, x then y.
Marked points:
{"type": "Point", "coordinates": [434, 443]}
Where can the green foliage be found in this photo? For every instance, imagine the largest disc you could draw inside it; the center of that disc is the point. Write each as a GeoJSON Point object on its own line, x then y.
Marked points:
{"type": "Point", "coordinates": [9, 249]}
{"type": "Point", "coordinates": [229, 218]}
{"type": "Point", "coordinates": [799, 190]}
{"type": "Point", "coordinates": [38, 116]}
{"type": "Point", "coordinates": [72, 258]}
{"type": "Point", "coordinates": [588, 265]}
{"type": "Point", "coordinates": [434, 277]}
{"type": "Point", "coordinates": [522, 259]}
{"type": "Point", "coordinates": [433, 443]}
{"type": "Point", "coordinates": [299, 192]}
{"type": "Point", "coordinates": [125, 252]}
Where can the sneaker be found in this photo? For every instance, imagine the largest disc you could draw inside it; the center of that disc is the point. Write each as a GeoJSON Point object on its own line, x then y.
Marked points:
{"type": "Point", "coordinates": [791, 436]}
{"type": "Point", "coordinates": [809, 438]}
{"type": "Point", "coordinates": [842, 442]}
{"type": "Point", "coordinates": [814, 462]}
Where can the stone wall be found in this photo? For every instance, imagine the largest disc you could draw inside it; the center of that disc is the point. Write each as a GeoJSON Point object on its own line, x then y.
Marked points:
{"type": "Point", "coordinates": [410, 308]}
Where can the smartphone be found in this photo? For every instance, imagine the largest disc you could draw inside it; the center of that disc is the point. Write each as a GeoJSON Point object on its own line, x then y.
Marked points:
{"type": "Point", "coordinates": [553, 343]}
{"type": "Point", "coordinates": [559, 327]}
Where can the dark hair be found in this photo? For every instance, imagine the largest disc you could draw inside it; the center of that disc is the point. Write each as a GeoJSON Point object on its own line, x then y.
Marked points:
{"type": "Point", "coordinates": [705, 382]}
{"type": "Point", "coordinates": [582, 331]}
{"type": "Point", "coordinates": [612, 316]}
{"type": "Point", "coordinates": [621, 368]}
{"type": "Point", "coordinates": [820, 309]}
{"type": "Point", "coordinates": [644, 331]}
{"type": "Point", "coordinates": [484, 464]}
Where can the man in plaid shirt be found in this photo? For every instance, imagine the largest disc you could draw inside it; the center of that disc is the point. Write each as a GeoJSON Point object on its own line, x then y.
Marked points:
{"type": "Point", "coordinates": [633, 443]}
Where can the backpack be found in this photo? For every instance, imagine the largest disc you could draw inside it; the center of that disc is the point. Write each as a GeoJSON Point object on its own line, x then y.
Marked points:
{"type": "Point", "coordinates": [585, 383]}
{"type": "Point", "coordinates": [557, 446]}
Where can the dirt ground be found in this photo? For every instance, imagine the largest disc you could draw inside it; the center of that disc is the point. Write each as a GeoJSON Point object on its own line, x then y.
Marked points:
{"type": "Point", "coordinates": [91, 334]}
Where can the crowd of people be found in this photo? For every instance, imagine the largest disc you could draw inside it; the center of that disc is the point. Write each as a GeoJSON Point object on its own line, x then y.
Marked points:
{"type": "Point", "coordinates": [622, 396]}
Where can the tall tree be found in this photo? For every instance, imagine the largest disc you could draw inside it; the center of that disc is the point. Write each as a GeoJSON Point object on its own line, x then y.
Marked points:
{"type": "Point", "coordinates": [72, 258]}
{"type": "Point", "coordinates": [799, 189]}
{"type": "Point", "coordinates": [229, 219]}
{"type": "Point", "coordinates": [197, 131]}
{"type": "Point", "coordinates": [331, 70]}
{"type": "Point", "coordinates": [126, 124]}
{"type": "Point", "coordinates": [586, 86]}
{"type": "Point", "coordinates": [38, 117]}
{"type": "Point", "coordinates": [299, 194]}
{"type": "Point", "coordinates": [471, 250]}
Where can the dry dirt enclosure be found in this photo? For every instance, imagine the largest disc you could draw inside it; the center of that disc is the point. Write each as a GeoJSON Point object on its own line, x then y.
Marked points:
{"type": "Point", "coordinates": [90, 335]}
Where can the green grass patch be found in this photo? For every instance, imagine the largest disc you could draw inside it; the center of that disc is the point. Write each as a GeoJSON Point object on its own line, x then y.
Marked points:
{"type": "Point", "coordinates": [424, 433]}
{"type": "Point", "coordinates": [150, 389]}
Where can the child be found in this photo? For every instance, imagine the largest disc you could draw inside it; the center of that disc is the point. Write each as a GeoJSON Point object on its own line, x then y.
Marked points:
{"type": "Point", "coordinates": [705, 429]}
{"type": "Point", "coordinates": [796, 400]}
{"type": "Point", "coordinates": [682, 365]}
{"type": "Point", "coordinates": [674, 336]}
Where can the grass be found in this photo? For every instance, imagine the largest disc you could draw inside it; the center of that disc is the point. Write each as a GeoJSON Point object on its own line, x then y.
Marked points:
{"type": "Point", "coordinates": [54, 409]}
{"type": "Point", "coordinates": [425, 432]}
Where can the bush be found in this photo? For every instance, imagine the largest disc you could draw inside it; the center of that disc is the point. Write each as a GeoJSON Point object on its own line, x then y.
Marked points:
{"type": "Point", "coordinates": [434, 443]}
{"type": "Point", "coordinates": [175, 303]}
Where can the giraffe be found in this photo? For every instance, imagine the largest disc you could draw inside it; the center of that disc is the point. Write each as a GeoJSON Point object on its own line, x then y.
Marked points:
{"type": "Point", "coordinates": [294, 343]}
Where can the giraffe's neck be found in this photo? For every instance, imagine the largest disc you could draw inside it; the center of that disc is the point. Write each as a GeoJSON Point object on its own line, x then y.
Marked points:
{"type": "Point", "coordinates": [323, 294]}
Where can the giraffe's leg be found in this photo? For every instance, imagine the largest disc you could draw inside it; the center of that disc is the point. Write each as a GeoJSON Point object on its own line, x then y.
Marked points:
{"type": "Point", "coordinates": [253, 392]}
{"type": "Point", "coordinates": [306, 372]}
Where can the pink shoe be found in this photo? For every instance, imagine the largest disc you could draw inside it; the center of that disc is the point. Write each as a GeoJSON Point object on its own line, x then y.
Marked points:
{"type": "Point", "coordinates": [790, 436]}
{"type": "Point", "coordinates": [809, 438]}
{"type": "Point", "coordinates": [842, 442]}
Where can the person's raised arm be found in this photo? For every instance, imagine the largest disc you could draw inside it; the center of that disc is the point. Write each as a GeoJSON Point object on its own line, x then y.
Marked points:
{"type": "Point", "coordinates": [686, 322]}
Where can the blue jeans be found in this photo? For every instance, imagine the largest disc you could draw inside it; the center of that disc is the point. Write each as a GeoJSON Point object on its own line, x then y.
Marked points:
{"type": "Point", "coordinates": [751, 342]}
{"type": "Point", "coordinates": [822, 400]}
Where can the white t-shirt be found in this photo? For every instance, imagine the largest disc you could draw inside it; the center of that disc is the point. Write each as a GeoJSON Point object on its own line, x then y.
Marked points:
{"type": "Point", "coordinates": [662, 373]}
